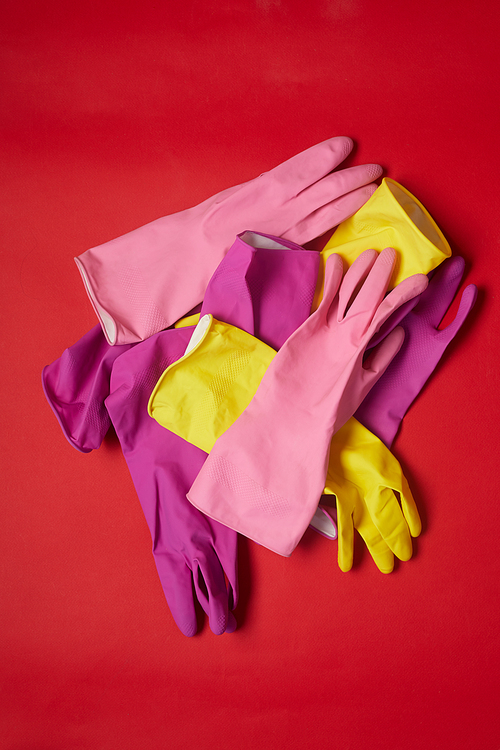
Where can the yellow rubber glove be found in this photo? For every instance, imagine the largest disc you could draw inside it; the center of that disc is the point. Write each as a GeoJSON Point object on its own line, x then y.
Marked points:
{"type": "Point", "coordinates": [202, 394]}
{"type": "Point", "coordinates": [372, 497]}
{"type": "Point", "coordinates": [391, 217]}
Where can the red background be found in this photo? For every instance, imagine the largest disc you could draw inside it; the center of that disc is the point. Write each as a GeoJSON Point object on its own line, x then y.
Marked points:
{"type": "Point", "coordinates": [116, 113]}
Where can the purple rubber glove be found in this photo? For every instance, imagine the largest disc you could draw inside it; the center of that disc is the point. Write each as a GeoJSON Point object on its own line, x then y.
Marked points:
{"type": "Point", "coordinates": [190, 550]}
{"type": "Point", "coordinates": [147, 279]}
{"type": "Point", "coordinates": [388, 401]}
{"type": "Point", "coordinates": [265, 474]}
{"type": "Point", "coordinates": [76, 385]}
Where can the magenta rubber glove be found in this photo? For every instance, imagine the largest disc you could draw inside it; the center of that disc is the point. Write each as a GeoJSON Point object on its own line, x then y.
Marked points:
{"type": "Point", "coordinates": [76, 385]}
{"type": "Point", "coordinates": [188, 547]}
{"type": "Point", "coordinates": [266, 473]}
{"type": "Point", "coordinates": [191, 552]}
{"type": "Point", "coordinates": [388, 401]}
{"type": "Point", "coordinates": [147, 279]}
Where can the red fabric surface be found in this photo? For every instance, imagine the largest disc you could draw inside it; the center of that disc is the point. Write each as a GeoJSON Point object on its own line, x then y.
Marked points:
{"type": "Point", "coordinates": [116, 113]}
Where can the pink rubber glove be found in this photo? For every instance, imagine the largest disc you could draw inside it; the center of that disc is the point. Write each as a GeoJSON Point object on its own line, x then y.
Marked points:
{"type": "Point", "coordinates": [146, 280]}
{"type": "Point", "coordinates": [265, 474]}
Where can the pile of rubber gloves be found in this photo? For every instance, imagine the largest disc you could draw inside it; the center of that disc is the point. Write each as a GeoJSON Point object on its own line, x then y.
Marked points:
{"type": "Point", "coordinates": [247, 377]}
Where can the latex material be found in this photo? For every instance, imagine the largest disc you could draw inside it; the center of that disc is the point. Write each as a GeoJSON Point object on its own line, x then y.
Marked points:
{"type": "Point", "coordinates": [392, 217]}
{"type": "Point", "coordinates": [191, 552]}
{"type": "Point", "coordinates": [386, 404]}
{"type": "Point", "coordinates": [266, 473]}
{"type": "Point", "coordinates": [76, 385]}
{"type": "Point", "coordinates": [372, 497]}
{"type": "Point", "coordinates": [148, 279]}
{"type": "Point", "coordinates": [91, 384]}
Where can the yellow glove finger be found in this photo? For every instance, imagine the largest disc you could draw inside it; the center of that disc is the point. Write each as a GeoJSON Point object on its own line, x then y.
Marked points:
{"type": "Point", "coordinates": [390, 521]}
{"type": "Point", "coordinates": [410, 509]}
{"type": "Point", "coordinates": [376, 545]}
{"type": "Point", "coordinates": [345, 529]}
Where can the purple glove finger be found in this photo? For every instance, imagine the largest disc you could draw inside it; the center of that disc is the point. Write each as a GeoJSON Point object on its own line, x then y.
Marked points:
{"type": "Point", "coordinates": [388, 401]}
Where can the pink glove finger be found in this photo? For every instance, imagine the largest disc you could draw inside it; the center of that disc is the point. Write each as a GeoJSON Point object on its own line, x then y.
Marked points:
{"type": "Point", "coordinates": [311, 165]}
{"type": "Point", "coordinates": [372, 292]}
{"type": "Point", "coordinates": [382, 355]}
{"type": "Point", "coordinates": [333, 276]}
{"type": "Point", "coordinates": [405, 291]}
{"type": "Point", "coordinates": [330, 215]}
{"type": "Point", "coordinates": [393, 321]}
{"type": "Point", "coordinates": [355, 275]}
{"type": "Point", "coordinates": [340, 183]}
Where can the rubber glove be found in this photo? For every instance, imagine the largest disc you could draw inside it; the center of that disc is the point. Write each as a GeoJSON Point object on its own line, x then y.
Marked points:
{"type": "Point", "coordinates": [191, 552]}
{"type": "Point", "coordinates": [188, 548]}
{"type": "Point", "coordinates": [76, 385]}
{"type": "Point", "coordinates": [148, 279]}
{"type": "Point", "coordinates": [265, 474]}
{"type": "Point", "coordinates": [388, 401]}
{"type": "Point", "coordinates": [392, 217]}
{"type": "Point", "coordinates": [364, 477]}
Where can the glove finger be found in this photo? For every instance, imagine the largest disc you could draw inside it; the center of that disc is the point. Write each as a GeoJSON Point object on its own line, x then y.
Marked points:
{"type": "Point", "coordinates": [388, 517]}
{"type": "Point", "coordinates": [381, 554]}
{"type": "Point", "coordinates": [231, 623]}
{"type": "Point", "coordinates": [177, 584]}
{"type": "Point", "coordinates": [211, 592]}
{"type": "Point", "coordinates": [374, 287]}
{"type": "Point", "coordinates": [345, 534]}
{"type": "Point", "coordinates": [406, 290]}
{"type": "Point", "coordinates": [393, 321]}
{"type": "Point", "coordinates": [355, 276]}
{"type": "Point", "coordinates": [339, 183]}
{"type": "Point", "coordinates": [330, 215]}
{"type": "Point", "coordinates": [310, 165]}
{"type": "Point", "coordinates": [409, 508]}
{"type": "Point", "coordinates": [440, 293]}
{"type": "Point", "coordinates": [380, 358]}
{"type": "Point", "coordinates": [334, 269]}
{"type": "Point", "coordinates": [226, 549]}
{"type": "Point", "coordinates": [467, 302]}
